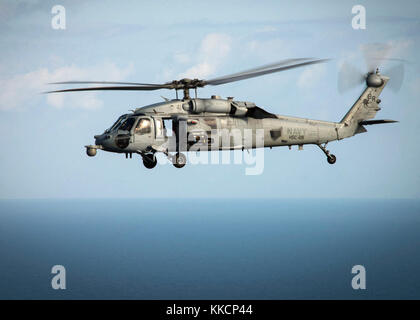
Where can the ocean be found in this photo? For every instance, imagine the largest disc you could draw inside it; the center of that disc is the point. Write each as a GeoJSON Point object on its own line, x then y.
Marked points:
{"type": "Point", "coordinates": [210, 248]}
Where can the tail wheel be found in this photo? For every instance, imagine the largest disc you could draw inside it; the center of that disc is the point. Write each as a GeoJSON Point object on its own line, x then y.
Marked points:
{"type": "Point", "coordinates": [179, 160]}
{"type": "Point", "coordinates": [331, 159]}
{"type": "Point", "coordinates": [149, 161]}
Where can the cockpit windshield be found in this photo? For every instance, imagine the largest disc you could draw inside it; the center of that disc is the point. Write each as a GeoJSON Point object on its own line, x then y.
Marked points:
{"type": "Point", "coordinates": [127, 124]}
{"type": "Point", "coordinates": [117, 123]}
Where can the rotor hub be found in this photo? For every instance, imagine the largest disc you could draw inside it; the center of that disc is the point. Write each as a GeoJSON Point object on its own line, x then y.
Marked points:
{"type": "Point", "coordinates": [186, 83]}
{"type": "Point", "coordinates": [374, 79]}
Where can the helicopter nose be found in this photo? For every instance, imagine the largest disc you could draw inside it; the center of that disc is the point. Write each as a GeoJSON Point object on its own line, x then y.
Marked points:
{"type": "Point", "coordinates": [101, 138]}
{"type": "Point", "coordinates": [98, 139]}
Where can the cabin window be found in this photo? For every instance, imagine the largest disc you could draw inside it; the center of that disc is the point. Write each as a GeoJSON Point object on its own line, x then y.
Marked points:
{"type": "Point", "coordinates": [159, 128]}
{"type": "Point", "coordinates": [143, 126]}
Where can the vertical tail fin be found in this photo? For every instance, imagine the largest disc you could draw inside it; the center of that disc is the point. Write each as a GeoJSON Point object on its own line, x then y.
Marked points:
{"type": "Point", "coordinates": [367, 105]}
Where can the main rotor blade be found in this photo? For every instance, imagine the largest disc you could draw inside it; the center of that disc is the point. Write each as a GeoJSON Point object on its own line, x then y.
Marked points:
{"type": "Point", "coordinates": [105, 82]}
{"type": "Point", "coordinates": [126, 88]}
{"type": "Point", "coordinates": [193, 83]}
{"type": "Point", "coordinates": [252, 73]}
{"type": "Point", "coordinates": [264, 67]}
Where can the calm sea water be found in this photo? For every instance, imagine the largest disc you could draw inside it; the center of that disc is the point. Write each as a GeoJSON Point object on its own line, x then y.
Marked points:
{"type": "Point", "coordinates": [209, 249]}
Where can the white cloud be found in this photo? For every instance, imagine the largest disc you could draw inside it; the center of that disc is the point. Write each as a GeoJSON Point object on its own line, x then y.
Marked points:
{"type": "Point", "coordinates": [23, 89]}
{"type": "Point", "coordinates": [213, 50]}
{"type": "Point", "coordinates": [311, 76]}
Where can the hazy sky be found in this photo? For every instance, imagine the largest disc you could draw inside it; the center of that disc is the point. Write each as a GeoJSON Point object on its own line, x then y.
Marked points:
{"type": "Point", "coordinates": [43, 137]}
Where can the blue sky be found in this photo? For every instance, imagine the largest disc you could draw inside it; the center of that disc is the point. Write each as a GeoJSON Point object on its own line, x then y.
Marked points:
{"type": "Point", "coordinates": [43, 136]}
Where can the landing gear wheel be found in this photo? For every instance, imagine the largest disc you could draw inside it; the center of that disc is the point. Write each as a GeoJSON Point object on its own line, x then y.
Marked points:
{"type": "Point", "coordinates": [179, 160]}
{"type": "Point", "coordinates": [149, 161]}
{"type": "Point", "coordinates": [331, 159]}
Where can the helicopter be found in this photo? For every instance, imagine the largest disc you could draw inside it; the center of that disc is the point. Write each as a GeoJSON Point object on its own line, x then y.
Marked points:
{"type": "Point", "coordinates": [175, 126]}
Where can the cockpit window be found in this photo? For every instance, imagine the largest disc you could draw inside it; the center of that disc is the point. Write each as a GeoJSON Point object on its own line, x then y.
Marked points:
{"type": "Point", "coordinates": [127, 124]}
{"type": "Point", "coordinates": [143, 126]}
{"type": "Point", "coordinates": [117, 123]}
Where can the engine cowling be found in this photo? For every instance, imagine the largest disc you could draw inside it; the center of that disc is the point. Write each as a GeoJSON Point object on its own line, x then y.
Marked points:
{"type": "Point", "coordinates": [207, 105]}
{"type": "Point", "coordinates": [215, 106]}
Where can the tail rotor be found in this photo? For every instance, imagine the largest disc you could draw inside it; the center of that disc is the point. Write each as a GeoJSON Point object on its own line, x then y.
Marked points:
{"type": "Point", "coordinates": [375, 55]}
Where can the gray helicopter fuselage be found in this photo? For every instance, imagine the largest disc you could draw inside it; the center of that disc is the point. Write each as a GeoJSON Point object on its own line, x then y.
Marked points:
{"type": "Point", "coordinates": [210, 123]}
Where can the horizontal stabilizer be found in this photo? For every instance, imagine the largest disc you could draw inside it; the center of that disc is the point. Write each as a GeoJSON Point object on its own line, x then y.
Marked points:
{"type": "Point", "coordinates": [369, 122]}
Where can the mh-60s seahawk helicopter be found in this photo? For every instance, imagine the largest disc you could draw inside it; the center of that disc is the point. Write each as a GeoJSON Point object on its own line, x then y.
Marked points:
{"type": "Point", "coordinates": [198, 121]}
